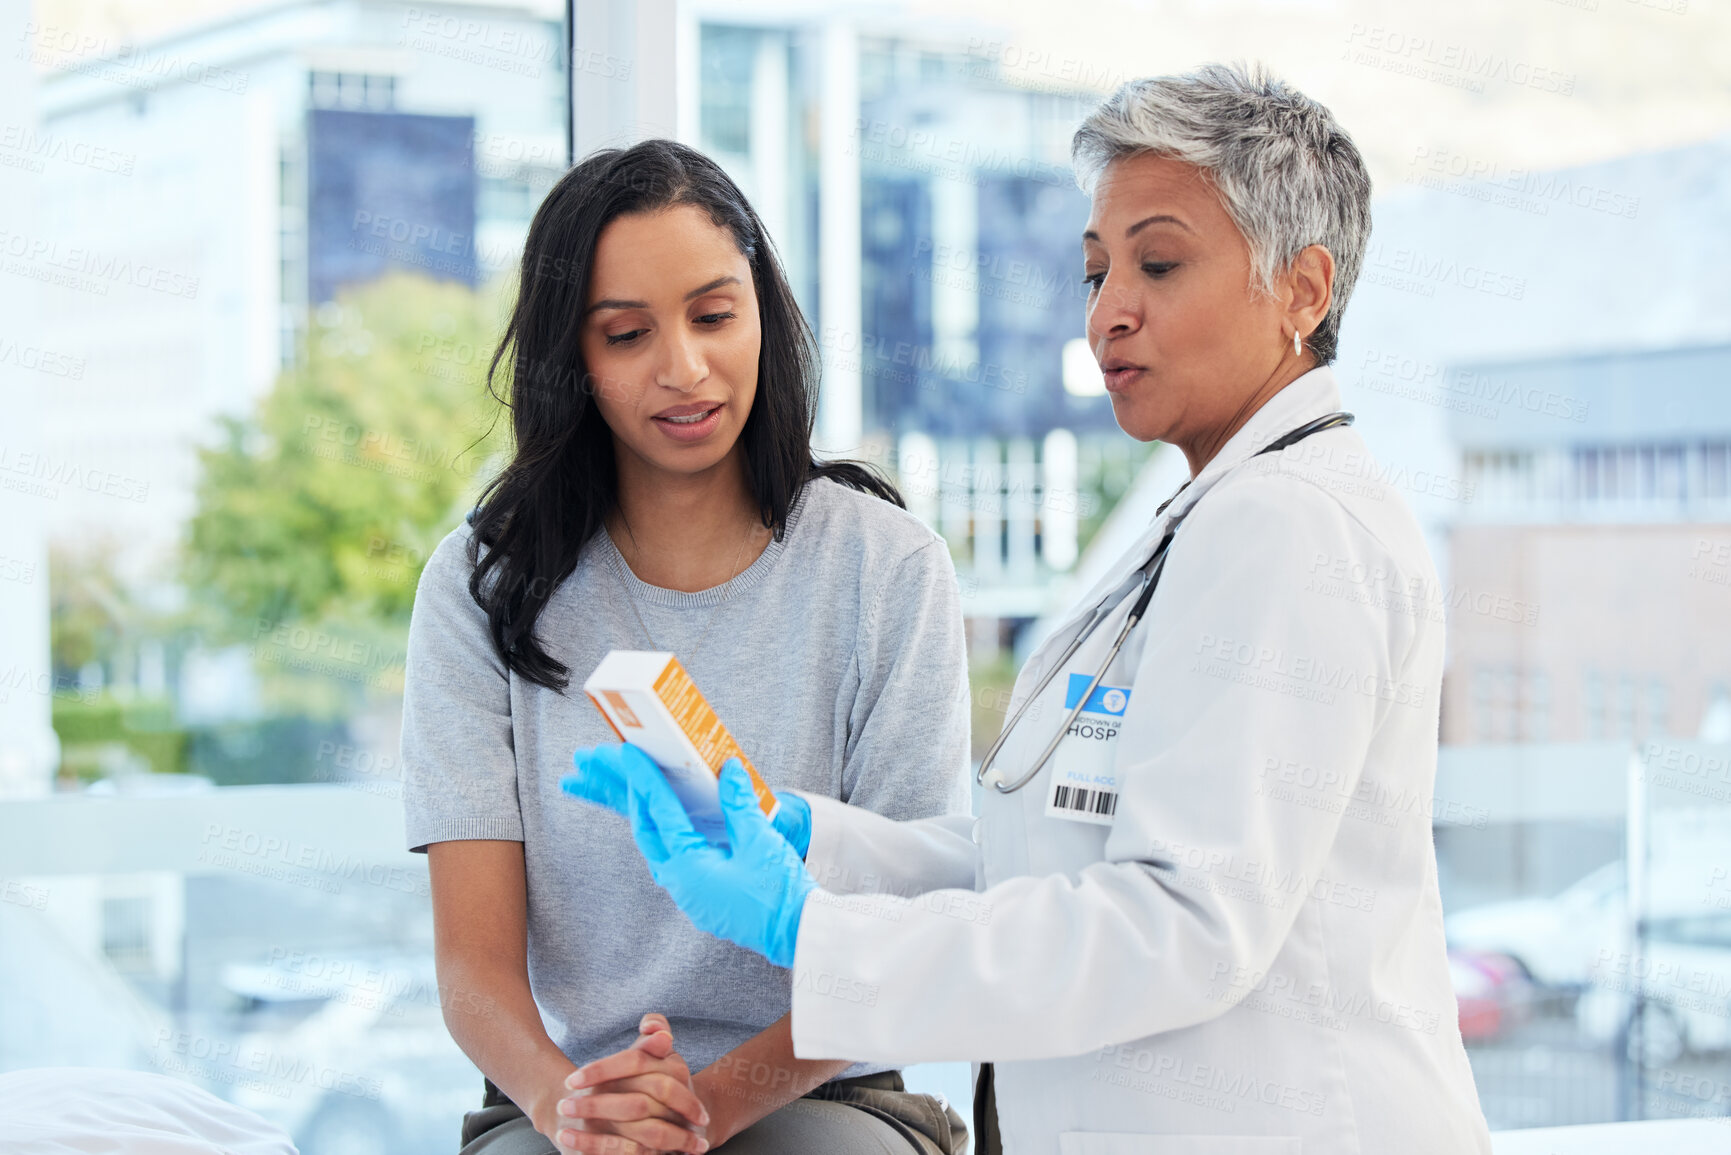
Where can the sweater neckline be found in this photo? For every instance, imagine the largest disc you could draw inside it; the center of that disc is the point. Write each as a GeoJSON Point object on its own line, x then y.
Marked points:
{"type": "Point", "coordinates": [748, 578]}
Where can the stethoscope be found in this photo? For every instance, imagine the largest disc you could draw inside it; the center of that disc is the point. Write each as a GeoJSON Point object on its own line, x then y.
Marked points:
{"type": "Point", "coordinates": [1150, 578]}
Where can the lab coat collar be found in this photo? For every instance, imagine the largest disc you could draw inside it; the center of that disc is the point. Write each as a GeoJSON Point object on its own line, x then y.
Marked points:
{"type": "Point", "coordinates": [1305, 398]}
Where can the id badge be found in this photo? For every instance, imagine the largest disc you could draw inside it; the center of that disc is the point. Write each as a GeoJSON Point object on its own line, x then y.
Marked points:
{"type": "Point", "coordinates": [1084, 781]}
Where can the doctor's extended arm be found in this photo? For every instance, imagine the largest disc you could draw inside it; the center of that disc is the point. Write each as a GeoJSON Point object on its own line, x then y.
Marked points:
{"type": "Point", "coordinates": [1204, 874]}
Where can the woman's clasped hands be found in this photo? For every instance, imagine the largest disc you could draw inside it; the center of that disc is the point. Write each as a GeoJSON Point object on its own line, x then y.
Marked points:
{"type": "Point", "coordinates": [638, 1101]}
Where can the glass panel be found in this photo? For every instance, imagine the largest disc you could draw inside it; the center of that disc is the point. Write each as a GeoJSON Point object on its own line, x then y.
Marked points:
{"type": "Point", "coordinates": [725, 110]}
{"type": "Point", "coordinates": [247, 328]}
{"type": "Point", "coordinates": [302, 213]}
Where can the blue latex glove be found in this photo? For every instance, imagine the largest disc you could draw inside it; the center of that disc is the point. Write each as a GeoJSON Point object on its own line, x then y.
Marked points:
{"type": "Point", "coordinates": [602, 773]}
{"type": "Point", "coordinates": [751, 894]}
{"type": "Point", "coordinates": [793, 821]}
{"type": "Point", "coordinates": [600, 776]}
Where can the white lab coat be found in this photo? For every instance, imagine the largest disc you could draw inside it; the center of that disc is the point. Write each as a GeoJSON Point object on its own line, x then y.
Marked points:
{"type": "Point", "coordinates": [1249, 959]}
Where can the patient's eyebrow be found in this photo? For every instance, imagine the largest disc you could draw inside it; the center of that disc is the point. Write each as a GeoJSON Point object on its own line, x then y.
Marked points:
{"type": "Point", "coordinates": [711, 287]}
{"type": "Point", "coordinates": [618, 303]}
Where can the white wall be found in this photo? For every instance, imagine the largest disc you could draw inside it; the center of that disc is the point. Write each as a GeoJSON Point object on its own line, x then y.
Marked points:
{"type": "Point", "coordinates": [616, 106]}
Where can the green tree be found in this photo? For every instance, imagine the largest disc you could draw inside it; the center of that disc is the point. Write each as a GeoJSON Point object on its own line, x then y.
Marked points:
{"type": "Point", "coordinates": [102, 619]}
{"type": "Point", "coordinates": [91, 612]}
{"type": "Point", "coordinates": [316, 514]}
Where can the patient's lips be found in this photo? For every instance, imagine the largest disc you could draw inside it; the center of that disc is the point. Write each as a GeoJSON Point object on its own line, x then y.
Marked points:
{"type": "Point", "coordinates": [690, 422]}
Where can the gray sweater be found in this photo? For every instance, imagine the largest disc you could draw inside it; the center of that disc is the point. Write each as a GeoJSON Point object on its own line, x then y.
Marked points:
{"type": "Point", "coordinates": [836, 660]}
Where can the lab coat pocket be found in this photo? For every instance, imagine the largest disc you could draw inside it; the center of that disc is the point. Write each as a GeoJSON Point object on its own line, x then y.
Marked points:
{"type": "Point", "coordinates": [1128, 1143]}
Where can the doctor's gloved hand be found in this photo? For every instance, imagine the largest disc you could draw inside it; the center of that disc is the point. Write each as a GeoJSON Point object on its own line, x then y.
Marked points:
{"type": "Point", "coordinates": [793, 821]}
{"type": "Point", "coordinates": [751, 893]}
{"type": "Point", "coordinates": [603, 777]}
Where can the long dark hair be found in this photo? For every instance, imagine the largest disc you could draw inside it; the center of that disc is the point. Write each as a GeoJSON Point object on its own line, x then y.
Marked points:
{"type": "Point", "coordinates": [536, 516]}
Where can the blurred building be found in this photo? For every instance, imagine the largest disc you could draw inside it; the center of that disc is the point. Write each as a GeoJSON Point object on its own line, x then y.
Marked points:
{"type": "Point", "coordinates": [926, 211]}
{"type": "Point", "coordinates": [923, 206]}
{"type": "Point", "coordinates": [1541, 358]}
{"type": "Point", "coordinates": [1515, 266]}
{"type": "Point", "coordinates": [971, 237]}
{"type": "Point", "coordinates": [1591, 588]}
{"type": "Point", "coordinates": [202, 192]}
{"type": "Point", "coordinates": [384, 191]}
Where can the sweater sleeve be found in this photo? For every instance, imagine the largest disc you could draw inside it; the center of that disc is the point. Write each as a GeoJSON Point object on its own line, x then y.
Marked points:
{"type": "Point", "coordinates": [458, 755]}
{"type": "Point", "coordinates": [908, 730]}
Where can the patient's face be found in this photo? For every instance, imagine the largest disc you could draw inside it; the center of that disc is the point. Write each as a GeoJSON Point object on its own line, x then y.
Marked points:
{"type": "Point", "coordinates": [671, 338]}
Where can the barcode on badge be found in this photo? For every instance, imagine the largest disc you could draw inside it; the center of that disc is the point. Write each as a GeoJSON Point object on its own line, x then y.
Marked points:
{"type": "Point", "coordinates": [1086, 801]}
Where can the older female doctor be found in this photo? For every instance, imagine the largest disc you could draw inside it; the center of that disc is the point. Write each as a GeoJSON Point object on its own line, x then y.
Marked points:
{"type": "Point", "coordinates": [1197, 914]}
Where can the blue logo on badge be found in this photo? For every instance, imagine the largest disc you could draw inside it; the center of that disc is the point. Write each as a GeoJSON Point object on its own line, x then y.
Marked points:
{"type": "Point", "coordinates": [1108, 700]}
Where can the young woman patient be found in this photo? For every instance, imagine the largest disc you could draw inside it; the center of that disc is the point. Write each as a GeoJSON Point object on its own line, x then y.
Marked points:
{"type": "Point", "coordinates": [662, 496]}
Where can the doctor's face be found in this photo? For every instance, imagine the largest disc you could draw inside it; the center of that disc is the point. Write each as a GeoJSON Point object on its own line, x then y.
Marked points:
{"type": "Point", "coordinates": [1188, 349]}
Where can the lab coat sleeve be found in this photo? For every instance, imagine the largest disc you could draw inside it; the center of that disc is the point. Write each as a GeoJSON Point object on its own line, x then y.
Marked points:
{"type": "Point", "coordinates": [856, 851]}
{"type": "Point", "coordinates": [1203, 873]}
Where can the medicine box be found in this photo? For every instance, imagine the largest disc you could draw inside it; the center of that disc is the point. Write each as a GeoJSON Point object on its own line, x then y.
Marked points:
{"type": "Point", "coordinates": [651, 702]}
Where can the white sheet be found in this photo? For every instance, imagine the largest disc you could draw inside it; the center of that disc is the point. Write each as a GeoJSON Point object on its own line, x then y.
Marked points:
{"type": "Point", "coordinates": [96, 1111]}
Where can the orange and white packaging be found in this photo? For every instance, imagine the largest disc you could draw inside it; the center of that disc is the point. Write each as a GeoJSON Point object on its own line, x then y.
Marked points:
{"type": "Point", "coordinates": [651, 702]}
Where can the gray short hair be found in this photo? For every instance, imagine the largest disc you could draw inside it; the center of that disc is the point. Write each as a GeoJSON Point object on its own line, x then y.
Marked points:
{"type": "Point", "coordinates": [1287, 173]}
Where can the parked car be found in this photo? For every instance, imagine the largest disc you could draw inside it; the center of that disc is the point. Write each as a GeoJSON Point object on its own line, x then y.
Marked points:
{"type": "Point", "coordinates": [1682, 973]}
{"type": "Point", "coordinates": [1579, 941]}
{"type": "Point", "coordinates": [1556, 939]}
{"type": "Point", "coordinates": [1492, 991]}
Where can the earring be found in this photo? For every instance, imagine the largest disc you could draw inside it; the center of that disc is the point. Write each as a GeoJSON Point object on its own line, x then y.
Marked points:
{"type": "Point", "coordinates": [1297, 349]}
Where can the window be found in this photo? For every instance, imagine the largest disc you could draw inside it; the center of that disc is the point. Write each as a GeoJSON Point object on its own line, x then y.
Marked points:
{"type": "Point", "coordinates": [505, 199]}
{"type": "Point", "coordinates": [126, 932]}
{"type": "Point", "coordinates": [1716, 470]}
{"type": "Point", "coordinates": [1502, 477]}
{"type": "Point", "coordinates": [1484, 705]}
{"type": "Point", "coordinates": [729, 61]}
{"type": "Point", "coordinates": [1648, 473]}
{"type": "Point", "coordinates": [300, 219]}
{"type": "Point", "coordinates": [351, 90]}
{"type": "Point", "coordinates": [219, 165]}
{"type": "Point", "coordinates": [1538, 728]}
{"type": "Point", "coordinates": [1671, 478]}
{"type": "Point", "coordinates": [1658, 708]}
{"type": "Point", "coordinates": [1625, 707]}
{"type": "Point", "coordinates": [1593, 702]}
